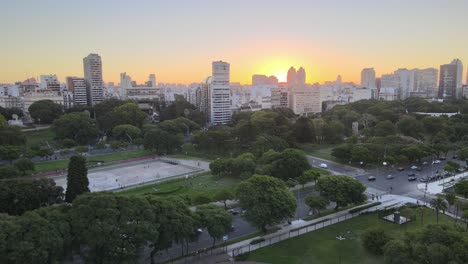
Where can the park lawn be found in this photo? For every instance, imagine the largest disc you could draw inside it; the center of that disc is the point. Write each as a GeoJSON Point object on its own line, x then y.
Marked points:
{"type": "Point", "coordinates": [319, 151]}
{"type": "Point", "coordinates": [321, 246]}
{"type": "Point", "coordinates": [201, 183]}
{"type": "Point", "coordinates": [40, 137]}
{"type": "Point", "coordinates": [110, 157]}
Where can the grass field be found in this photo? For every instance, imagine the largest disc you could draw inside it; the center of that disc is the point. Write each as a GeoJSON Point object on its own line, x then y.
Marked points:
{"type": "Point", "coordinates": [106, 158]}
{"type": "Point", "coordinates": [322, 246]}
{"type": "Point", "coordinates": [202, 183]}
{"type": "Point", "coordinates": [319, 151]}
{"type": "Point", "coordinates": [39, 138]}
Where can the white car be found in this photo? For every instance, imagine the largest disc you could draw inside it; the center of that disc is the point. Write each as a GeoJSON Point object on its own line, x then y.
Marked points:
{"type": "Point", "coordinates": [323, 166]}
{"type": "Point", "coordinates": [437, 161]}
{"type": "Point", "coordinates": [414, 167]}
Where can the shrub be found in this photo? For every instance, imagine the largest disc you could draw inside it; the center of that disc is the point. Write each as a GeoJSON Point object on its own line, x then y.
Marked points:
{"type": "Point", "coordinates": [68, 143]}
{"type": "Point", "coordinates": [8, 172]}
{"type": "Point", "coordinates": [81, 149]}
{"type": "Point", "coordinates": [100, 145]}
{"type": "Point", "coordinates": [257, 240]}
{"type": "Point", "coordinates": [201, 198]}
{"type": "Point", "coordinates": [358, 209]}
{"type": "Point", "coordinates": [374, 239]}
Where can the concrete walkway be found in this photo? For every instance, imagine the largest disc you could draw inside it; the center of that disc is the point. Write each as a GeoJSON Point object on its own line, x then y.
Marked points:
{"type": "Point", "coordinates": [438, 187]}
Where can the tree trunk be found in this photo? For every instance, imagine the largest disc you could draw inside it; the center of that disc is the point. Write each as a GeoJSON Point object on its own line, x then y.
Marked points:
{"type": "Point", "coordinates": [225, 205]}
{"type": "Point", "coordinates": [152, 254]}
{"type": "Point", "coordinates": [456, 214]}
{"type": "Point", "coordinates": [214, 242]}
{"type": "Point", "coordinates": [437, 216]}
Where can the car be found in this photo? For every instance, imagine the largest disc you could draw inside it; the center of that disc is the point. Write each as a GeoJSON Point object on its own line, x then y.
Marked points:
{"type": "Point", "coordinates": [461, 169]}
{"type": "Point", "coordinates": [414, 167]}
{"type": "Point", "coordinates": [443, 158]}
{"type": "Point", "coordinates": [323, 165]}
{"type": "Point", "coordinates": [436, 161]}
{"type": "Point", "coordinates": [199, 230]}
{"type": "Point", "coordinates": [411, 174]}
{"type": "Point", "coordinates": [412, 178]}
{"type": "Point", "coordinates": [424, 179]}
{"type": "Point", "coordinates": [371, 178]}
{"type": "Point", "coordinates": [424, 163]}
{"type": "Point", "coordinates": [389, 177]}
{"type": "Point", "coordinates": [401, 169]}
{"type": "Point", "coordinates": [233, 212]}
{"type": "Point", "coordinates": [455, 157]}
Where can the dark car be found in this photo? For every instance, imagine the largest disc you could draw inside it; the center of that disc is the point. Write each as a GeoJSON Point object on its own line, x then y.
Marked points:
{"type": "Point", "coordinates": [419, 169]}
{"type": "Point", "coordinates": [455, 157]}
{"type": "Point", "coordinates": [443, 158]}
{"type": "Point", "coordinates": [412, 174]}
{"type": "Point", "coordinates": [401, 169]}
{"type": "Point", "coordinates": [412, 178]}
{"type": "Point", "coordinates": [371, 178]}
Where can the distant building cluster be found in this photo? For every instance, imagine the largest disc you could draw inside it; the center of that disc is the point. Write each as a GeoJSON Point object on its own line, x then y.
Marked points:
{"type": "Point", "coordinates": [218, 98]}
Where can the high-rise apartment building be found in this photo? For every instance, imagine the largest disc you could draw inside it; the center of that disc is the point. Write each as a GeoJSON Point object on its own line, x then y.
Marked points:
{"type": "Point", "coordinates": [203, 97]}
{"type": "Point", "coordinates": [93, 75]}
{"type": "Point", "coordinates": [152, 80]}
{"type": "Point", "coordinates": [77, 86]}
{"type": "Point", "coordinates": [450, 80]}
{"type": "Point", "coordinates": [303, 99]}
{"type": "Point", "coordinates": [425, 81]}
{"type": "Point", "coordinates": [220, 94]}
{"type": "Point", "coordinates": [368, 78]}
{"type": "Point", "coordinates": [405, 79]}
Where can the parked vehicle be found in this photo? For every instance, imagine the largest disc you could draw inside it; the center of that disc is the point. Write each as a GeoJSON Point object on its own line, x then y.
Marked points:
{"type": "Point", "coordinates": [371, 178]}
{"type": "Point", "coordinates": [389, 177]}
{"type": "Point", "coordinates": [414, 167]}
{"type": "Point", "coordinates": [323, 166]}
{"type": "Point", "coordinates": [411, 174]}
{"type": "Point", "coordinates": [436, 162]}
{"type": "Point", "coordinates": [401, 169]}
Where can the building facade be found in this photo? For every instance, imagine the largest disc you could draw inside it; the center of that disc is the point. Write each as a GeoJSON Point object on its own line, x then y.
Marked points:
{"type": "Point", "coordinates": [450, 80]}
{"type": "Point", "coordinates": [220, 94]}
{"type": "Point", "coordinates": [77, 86]}
{"type": "Point", "coordinates": [93, 76]}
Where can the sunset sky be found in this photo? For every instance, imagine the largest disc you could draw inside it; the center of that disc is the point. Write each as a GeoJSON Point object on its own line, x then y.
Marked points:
{"type": "Point", "coordinates": [178, 39]}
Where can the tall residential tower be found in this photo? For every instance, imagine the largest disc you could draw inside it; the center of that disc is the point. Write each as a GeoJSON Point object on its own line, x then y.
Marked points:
{"type": "Point", "coordinates": [93, 76]}
{"type": "Point", "coordinates": [220, 94]}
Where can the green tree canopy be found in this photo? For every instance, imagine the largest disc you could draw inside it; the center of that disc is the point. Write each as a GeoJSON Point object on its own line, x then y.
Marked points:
{"type": "Point", "coordinates": [316, 203]}
{"type": "Point", "coordinates": [45, 111]}
{"type": "Point", "coordinates": [342, 190]}
{"type": "Point", "coordinates": [77, 178]}
{"type": "Point", "coordinates": [217, 221]}
{"type": "Point", "coordinates": [266, 199]}
{"type": "Point", "coordinates": [76, 126]}
{"type": "Point", "coordinates": [126, 132]}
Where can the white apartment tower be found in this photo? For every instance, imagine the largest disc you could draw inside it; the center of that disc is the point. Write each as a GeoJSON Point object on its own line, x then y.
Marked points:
{"type": "Point", "coordinates": [368, 78]}
{"type": "Point", "coordinates": [93, 76]}
{"type": "Point", "coordinates": [152, 80]}
{"type": "Point", "coordinates": [220, 94]}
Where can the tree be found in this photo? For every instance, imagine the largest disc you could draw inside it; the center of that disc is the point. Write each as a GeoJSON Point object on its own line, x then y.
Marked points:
{"type": "Point", "coordinates": [409, 126]}
{"type": "Point", "coordinates": [77, 178]}
{"type": "Point", "coordinates": [308, 176]}
{"type": "Point", "coordinates": [461, 188]}
{"type": "Point", "coordinates": [217, 221]}
{"type": "Point", "coordinates": [316, 203]}
{"type": "Point", "coordinates": [177, 224]}
{"type": "Point", "coordinates": [223, 195]}
{"type": "Point", "coordinates": [465, 218]}
{"type": "Point", "coordinates": [384, 128]}
{"type": "Point", "coordinates": [266, 199]}
{"type": "Point", "coordinates": [45, 111]}
{"type": "Point", "coordinates": [19, 196]}
{"type": "Point", "coordinates": [360, 154]}
{"type": "Point", "coordinates": [8, 171]}
{"type": "Point", "coordinates": [9, 153]}
{"type": "Point", "coordinates": [342, 152]}
{"type": "Point", "coordinates": [130, 114]}
{"type": "Point", "coordinates": [303, 131]}
{"type": "Point", "coordinates": [112, 228]}
{"type": "Point", "coordinates": [439, 204]}
{"type": "Point", "coordinates": [126, 133]}
{"type": "Point", "coordinates": [3, 122]}
{"type": "Point", "coordinates": [161, 141]}
{"type": "Point", "coordinates": [374, 239]}
{"type": "Point", "coordinates": [11, 135]}
{"type": "Point", "coordinates": [291, 163]}
{"type": "Point", "coordinates": [463, 154]}
{"type": "Point", "coordinates": [201, 198]}
{"type": "Point", "coordinates": [432, 244]}
{"type": "Point", "coordinates": [76, 126]}
{"type": "Point", "coordinates": [24, 165]}
{"type": "Point", "coordinates": [342, 190]}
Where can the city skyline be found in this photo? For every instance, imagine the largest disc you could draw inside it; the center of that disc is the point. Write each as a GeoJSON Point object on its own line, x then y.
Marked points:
{"type": "Point", "coordinates": [176, 41]}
